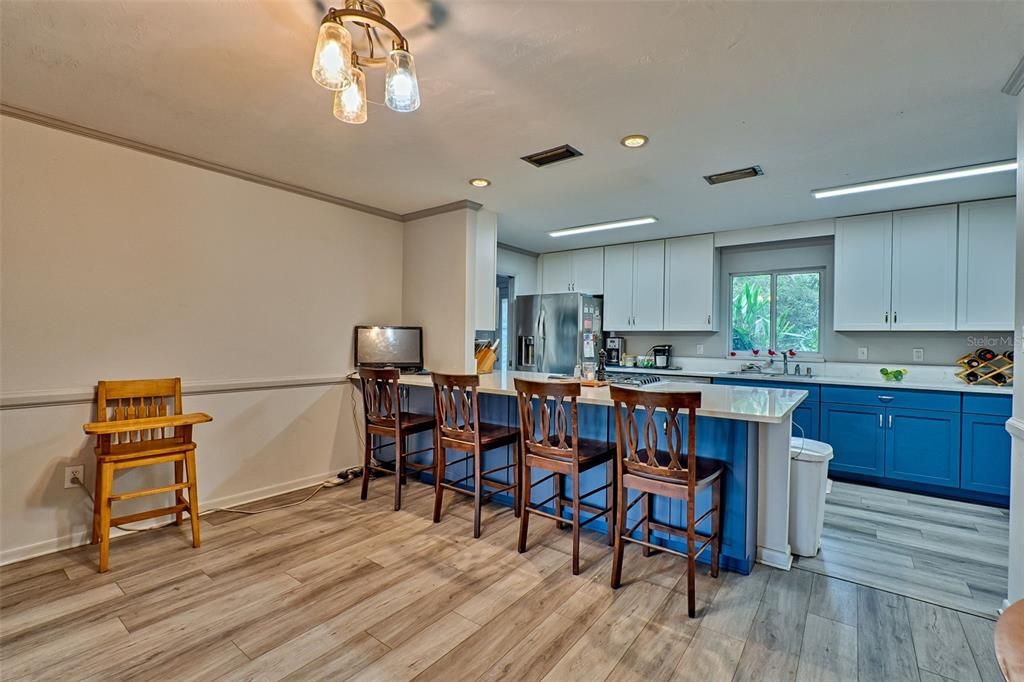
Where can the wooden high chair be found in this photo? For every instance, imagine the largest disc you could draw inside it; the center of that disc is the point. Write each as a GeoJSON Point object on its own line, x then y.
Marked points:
{"type": "Point", "coordinates": [131, 430]}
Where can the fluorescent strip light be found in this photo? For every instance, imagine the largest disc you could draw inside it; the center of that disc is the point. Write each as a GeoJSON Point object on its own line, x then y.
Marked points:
{"type": "Point", "coordinates": [920, 178]}
{"type": "Point", "coordinates": [597, 227]}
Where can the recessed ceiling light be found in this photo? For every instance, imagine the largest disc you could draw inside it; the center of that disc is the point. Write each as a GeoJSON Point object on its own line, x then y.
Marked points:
{"type": "Point", "coordinates": [634, 141]}
{"type": "Point", "coordinates": [597, 227]}
{"type": "Point", "coordinates": [480, 182]}
{"type": "Point", "coordinates": [919, 178]}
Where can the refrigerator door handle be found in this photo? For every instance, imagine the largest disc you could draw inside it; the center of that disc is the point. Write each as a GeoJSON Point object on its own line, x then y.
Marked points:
{"type": "Point", "coordinates": [542, 337]}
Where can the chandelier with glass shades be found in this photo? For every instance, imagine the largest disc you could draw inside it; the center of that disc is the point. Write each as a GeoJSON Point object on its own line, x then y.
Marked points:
{"type": "Point", "coordinates": [339, 68]}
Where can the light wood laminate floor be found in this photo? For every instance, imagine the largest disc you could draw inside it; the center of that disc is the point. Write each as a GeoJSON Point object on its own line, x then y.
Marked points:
{"type": "Point", "coordinates": [341, 589]}
{"type": "Point", "coordinates": [944, 552]}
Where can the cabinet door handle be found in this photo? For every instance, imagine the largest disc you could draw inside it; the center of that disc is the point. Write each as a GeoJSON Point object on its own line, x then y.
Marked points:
{"type": "Point", "coordinates": [879, 421]}
{"type": "Point", "coordinates": [890, 421]}
{"type": "Point", "coordinates": [887, 316]}
{"type": "Point", "coordinates": [894, 317]}
{"type": "Point", "coordinates": [709, 319]}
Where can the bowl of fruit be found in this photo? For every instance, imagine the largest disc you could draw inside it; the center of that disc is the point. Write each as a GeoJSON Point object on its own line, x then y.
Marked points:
{"type": "Point", "coordinates": [893, 374]}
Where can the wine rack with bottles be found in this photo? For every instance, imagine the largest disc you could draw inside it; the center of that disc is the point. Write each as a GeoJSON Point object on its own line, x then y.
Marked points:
{"type": "Point", "coordinates": [985, 366]}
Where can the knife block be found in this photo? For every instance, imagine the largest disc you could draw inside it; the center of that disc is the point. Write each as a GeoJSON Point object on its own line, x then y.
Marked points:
{"type": "Point", "coordinates": [485, 359]}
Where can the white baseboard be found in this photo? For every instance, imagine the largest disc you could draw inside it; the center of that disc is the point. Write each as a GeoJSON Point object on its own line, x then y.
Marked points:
{"type": "Point", "coordinates": [82, 537]}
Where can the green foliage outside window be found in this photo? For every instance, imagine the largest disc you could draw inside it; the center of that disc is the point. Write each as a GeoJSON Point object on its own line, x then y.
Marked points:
{"type": "Point", "coordinates": [797, 311]}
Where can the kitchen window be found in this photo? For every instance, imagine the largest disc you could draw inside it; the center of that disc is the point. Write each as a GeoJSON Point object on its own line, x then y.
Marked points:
{"type": "Point", "coordinates": [778, 310]}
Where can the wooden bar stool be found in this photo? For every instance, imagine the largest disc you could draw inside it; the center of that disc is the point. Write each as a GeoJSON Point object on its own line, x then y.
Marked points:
{"type": "Point", "coordinates": [550, 440]}
{"type": "Point", "coordinates": [646, 468]}
{"type": "Point", "coordinates": [131, 429]}
{"type": "Point", "coordinates": [385, 418]}
{"type": "Point", "coordinates": [457, 411]}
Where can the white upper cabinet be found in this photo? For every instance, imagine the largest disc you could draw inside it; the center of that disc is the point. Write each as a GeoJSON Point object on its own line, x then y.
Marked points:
{"type": "Point", "coordinates": [924, 269]}
{"type": "Point", "coordinates": [580, 271]}
{"type": "Point", "coordinates": [556, 272]}
{"type": "Point", "coordinates": [863, 273]}
{"type": "Point", "coordinates": [691, 284]}
{"type": "Point", "coordinates": [649, 286]}
{"type": "Point", "coordinates": [588, 271]}
{"type": "Point", "coordinates": [897, 271]}
{"type": "Point", "coordinates": [634, 278]}
{"type": "Point", "coordinates": [618, 284]}
{"type": "Point", "coordinates": [985, 280]}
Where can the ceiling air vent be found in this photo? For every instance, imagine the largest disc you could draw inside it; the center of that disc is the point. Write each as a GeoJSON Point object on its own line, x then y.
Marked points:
{"type": "Point", "coordinates": [729, 176]}
{"type": "Point", "coordinates": [554, 155]}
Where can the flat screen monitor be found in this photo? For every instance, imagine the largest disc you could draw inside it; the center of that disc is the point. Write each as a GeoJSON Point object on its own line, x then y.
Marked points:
{"type": "Point", "coordinates": [389, 347]}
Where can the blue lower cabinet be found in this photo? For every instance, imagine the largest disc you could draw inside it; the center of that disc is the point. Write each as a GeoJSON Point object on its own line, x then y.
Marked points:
{"type": "Point", "coordinates": [806, 417]}
{"type": "Point", "coordinates": [857, 436]}
{"type": "Point", "coordinates": [922, 446]}
{"type": "Point", "coordinates": [985, 458]}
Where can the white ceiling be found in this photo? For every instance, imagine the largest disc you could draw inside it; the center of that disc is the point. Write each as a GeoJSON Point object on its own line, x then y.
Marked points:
{"type": "Point", "coordinates": [817, 93]}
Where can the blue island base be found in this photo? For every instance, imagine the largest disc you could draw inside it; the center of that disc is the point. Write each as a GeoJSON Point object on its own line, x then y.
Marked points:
{"type": "Point", "coordinates": [732, 442]}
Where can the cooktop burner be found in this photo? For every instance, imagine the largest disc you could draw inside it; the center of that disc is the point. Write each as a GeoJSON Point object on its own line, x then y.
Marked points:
{"type": "Point", "coordinates": [637, 380]}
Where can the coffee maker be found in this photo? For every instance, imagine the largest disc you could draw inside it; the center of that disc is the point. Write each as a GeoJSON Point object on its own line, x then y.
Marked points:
{"type": "Point", "coordinates": [662, 356]}
{"type": "Point", "coordinates": [616, 348]}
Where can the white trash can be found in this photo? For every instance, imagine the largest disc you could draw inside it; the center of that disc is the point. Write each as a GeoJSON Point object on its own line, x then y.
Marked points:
{"type": "Point", "coordinates": [808, 476]}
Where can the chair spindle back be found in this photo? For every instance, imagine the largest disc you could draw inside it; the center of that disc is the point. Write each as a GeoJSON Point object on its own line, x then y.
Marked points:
{"type": "Point", "coordinates": [456, 406]}
{"type": "Point", "coordinates": [549, 426]}
{"type": "Point", "coordinates": [138, 399]}
{"type": "Point", "coordinates": [381, 402]}
{"type": "Point", "coordinates": [637, 443]}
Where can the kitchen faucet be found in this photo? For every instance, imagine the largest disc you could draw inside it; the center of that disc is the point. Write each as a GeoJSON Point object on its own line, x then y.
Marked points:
{"type": "Point", "coordinates": [785, 362]}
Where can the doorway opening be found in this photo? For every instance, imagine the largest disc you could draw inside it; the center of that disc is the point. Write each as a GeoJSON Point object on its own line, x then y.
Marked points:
{"type": "Point", "coordinates": [506, 302]}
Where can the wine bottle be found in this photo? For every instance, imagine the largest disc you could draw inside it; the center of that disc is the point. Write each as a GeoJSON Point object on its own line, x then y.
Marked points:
{"type": "Point", "coordinates": [999, 378]}
{"type": "Point", "coordinates": [984, 354]}
{"type": "Point", "coordinates": [971, 377]}
{"type": "Point", "coordinates": [973, 362]}
{"type": "Point", "coordinates": [1008, 355]}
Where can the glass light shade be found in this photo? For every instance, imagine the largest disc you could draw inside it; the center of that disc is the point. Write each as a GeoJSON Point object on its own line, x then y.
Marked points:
{"type": "Point", "coordinates": [332, 61]}
{"type": "Point", "coordinates": [350, 101]}
{"type": "Point", "coordinates": [401, 90]}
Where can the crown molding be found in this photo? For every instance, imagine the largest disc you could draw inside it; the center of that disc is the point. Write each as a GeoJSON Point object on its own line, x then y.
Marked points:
{"type": "Point", "coordinates": [516, 249]}
{"type": "Point", "coordinates": [443, 208]}
{"type": "Point", "coordinates": [66, 126]}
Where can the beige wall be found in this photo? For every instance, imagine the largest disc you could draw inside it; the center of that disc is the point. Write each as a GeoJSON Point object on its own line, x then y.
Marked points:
{"type": "Point", "coordinates": [438, 287]}
{"type": "Point", "coordinates": [118, 264]}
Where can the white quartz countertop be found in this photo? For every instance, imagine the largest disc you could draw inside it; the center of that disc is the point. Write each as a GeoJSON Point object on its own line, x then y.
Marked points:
{"type": "Point", "coordinates": [743, 403]}
{"type": "Point", "coordinates": [927, 380]}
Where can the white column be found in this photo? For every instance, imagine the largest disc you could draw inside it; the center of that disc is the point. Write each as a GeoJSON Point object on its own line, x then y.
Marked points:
{"type": "Point", "coordinates": [1016, 425]}
{"type": "Point", "coordinates": [773, 494]}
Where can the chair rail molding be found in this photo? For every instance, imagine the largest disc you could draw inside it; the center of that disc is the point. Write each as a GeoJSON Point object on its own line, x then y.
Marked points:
{"type": "Point", "coordinates": [70, 396]}
{"type": "Point", "coordinates": [1015, 425]}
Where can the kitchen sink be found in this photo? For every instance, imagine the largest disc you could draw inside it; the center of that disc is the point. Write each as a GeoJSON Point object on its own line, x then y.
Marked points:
{"type": "Point", "coordinates": [755, 373]}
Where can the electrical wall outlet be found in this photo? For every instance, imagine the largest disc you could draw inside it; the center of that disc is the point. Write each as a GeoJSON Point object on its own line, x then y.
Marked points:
{"type": "Point", "coordinates": [862, 353]}
{"type": "Point", "coordinates": [919, 355]}
{"type": "Point", "coordinates": [700, 349]}
{"type": "Point", "coordinates": [71, 473]}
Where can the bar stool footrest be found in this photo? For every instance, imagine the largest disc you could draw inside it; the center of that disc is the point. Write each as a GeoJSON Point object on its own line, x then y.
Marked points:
{"type": "Point", "coordinates": [148, 491]}
{"type": "Point", "coordinates": [149, 514]}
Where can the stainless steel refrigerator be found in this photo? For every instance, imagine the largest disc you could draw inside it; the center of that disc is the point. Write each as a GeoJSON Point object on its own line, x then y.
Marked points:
{"type": "Point", "coordinates": [556, 332]}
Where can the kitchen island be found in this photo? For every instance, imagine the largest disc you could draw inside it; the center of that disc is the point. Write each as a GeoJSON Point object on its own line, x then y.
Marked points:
{"type": "Point", "coordinates": [745, 428]}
